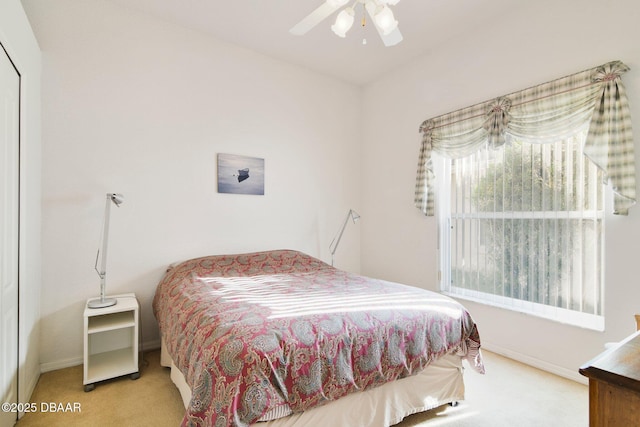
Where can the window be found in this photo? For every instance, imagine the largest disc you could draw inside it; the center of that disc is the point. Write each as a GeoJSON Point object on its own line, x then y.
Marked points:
{"type": "Point", "coordinates": [522, 227]}
{"type": "Point", "coordinates": [521, 193]}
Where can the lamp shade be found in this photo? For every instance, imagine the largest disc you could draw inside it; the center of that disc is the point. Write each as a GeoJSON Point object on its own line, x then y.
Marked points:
{"type": "Point", "coordinates": [385, 20]}
{"type": "Point", "coordinates": [344, 21]}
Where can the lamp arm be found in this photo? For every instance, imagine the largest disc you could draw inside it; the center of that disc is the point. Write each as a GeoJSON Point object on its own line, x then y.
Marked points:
{"type": "Point", "coordinates": [102, 272]}
{"type": "Point", "coordinates": [103, 302]}
{"type": "Point", "coordinates": [339, 235]}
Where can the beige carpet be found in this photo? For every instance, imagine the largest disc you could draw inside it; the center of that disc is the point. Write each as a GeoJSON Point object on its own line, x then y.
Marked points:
{"type": "Point", "coordinates": [510, 394]}
{"type": "Point", "coordinates": [152, 400]}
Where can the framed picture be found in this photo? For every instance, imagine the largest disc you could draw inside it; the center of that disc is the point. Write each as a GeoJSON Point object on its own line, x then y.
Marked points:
{"type": "Point", "coordinates": [240, 174]}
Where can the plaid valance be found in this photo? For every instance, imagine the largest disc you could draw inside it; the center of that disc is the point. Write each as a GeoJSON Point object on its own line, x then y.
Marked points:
{"type": "Point", "coordinates": [544, 113]}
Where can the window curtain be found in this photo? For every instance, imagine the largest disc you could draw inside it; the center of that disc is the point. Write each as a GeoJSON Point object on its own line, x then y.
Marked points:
{"type": "Point", "coordinates": [543, 113]}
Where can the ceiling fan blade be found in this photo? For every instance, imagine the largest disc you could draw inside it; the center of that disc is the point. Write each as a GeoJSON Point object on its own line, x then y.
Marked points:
{"type": "Point", "coordinates": [391, 39]}
{"type": "Point", "coordinates": [313, 19]}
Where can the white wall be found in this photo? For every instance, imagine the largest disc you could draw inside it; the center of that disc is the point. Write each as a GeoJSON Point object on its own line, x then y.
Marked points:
{"type": "Point", "coordinates": [18, 40]}
{"type": "Point", "coordinates": [139, 106]}
{"type": "Point", "coordinates": [542, 41]}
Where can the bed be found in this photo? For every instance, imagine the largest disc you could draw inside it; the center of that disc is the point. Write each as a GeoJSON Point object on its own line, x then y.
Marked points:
{"type": "Point", "coordinates": [283, 339]}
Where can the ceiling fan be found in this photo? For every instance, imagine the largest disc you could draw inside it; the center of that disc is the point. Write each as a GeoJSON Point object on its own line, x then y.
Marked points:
{"type": "Point", "coordinates": [378, 10]}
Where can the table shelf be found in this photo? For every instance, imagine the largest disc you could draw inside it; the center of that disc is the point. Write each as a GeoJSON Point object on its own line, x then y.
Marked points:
{"type": "Point", "coordinates": [107, 322]}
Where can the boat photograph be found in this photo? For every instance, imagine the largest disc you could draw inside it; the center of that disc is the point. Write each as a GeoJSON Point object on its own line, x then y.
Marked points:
{"type": "Point", "coordinates": [234, 176]}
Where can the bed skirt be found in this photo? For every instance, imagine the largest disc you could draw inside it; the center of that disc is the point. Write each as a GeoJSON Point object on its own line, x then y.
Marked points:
{"type": "Point", "coordinates": [440, 383]}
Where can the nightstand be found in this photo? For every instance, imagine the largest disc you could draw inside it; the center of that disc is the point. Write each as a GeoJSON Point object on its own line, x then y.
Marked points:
{"type": "Point", "coordinates": [111, 341]}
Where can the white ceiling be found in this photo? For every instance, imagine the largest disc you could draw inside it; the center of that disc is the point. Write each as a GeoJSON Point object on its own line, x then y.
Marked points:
{"type": "Point", "coordinates": [263, 26]}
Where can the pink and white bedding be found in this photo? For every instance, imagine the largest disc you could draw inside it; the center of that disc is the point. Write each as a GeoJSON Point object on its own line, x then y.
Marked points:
{"type": "Point", "coordinates": [282, 331]}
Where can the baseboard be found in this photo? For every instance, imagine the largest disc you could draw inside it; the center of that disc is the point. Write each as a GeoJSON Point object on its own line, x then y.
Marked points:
{"type": "Point", "coordinates": [536, 363]}
{"type": "Point", "coordinates": [60, 364]}
{"type": "Point", "coordinates": [75, 361]}
{"type": "Point", "coordinates": [151, 345]}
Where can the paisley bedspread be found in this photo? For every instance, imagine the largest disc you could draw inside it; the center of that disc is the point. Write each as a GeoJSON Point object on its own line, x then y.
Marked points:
{"type": "Point", "coordinates": [258, 331]}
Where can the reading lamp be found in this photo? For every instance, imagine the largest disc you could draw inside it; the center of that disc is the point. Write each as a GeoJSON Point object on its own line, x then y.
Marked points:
{"type": "Point", "coordinates": [336, 240]}
{"type": "Point", "coordinates": [102, 302]}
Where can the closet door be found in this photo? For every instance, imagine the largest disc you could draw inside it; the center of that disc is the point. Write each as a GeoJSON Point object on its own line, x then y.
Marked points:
{"type": "Point", "coordinates": [9, 202]}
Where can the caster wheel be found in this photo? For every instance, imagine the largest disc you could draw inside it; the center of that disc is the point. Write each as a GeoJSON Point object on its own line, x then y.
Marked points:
{"type": "Point", "coordinates": [89, 387]}
{"type": "Point", "coordinates": [135, 375]}
{"type": "Point", "coordinates": [454, 404]}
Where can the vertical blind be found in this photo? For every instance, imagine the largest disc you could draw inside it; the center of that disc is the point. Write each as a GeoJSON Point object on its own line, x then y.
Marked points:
{"type": "Point", "coordinates": [526, 226]}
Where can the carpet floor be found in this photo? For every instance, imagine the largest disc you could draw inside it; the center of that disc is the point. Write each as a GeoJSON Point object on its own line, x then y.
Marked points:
{"type": "Point", "coordinates": [510, 394]}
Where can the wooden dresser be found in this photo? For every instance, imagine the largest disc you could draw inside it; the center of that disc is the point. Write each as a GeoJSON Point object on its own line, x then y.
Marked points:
{"type": "Point", "coordinates": [614, 385]}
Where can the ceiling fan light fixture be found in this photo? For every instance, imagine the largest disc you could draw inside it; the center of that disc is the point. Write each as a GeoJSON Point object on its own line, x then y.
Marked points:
{"type": "Point", "coordinates": [385, 20]}
{"type": "Point", "coordinates": [343, 23]}
{"type": "Point", "coordinates": [378, 10]}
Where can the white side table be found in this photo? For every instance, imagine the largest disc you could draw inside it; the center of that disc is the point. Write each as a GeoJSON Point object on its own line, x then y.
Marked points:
{"type": "Point", "coordinates": [111, 341]}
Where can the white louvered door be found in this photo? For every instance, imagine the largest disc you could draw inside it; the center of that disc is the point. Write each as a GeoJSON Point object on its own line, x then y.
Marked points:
{"type": "Point", "coordinates": [9, 226]}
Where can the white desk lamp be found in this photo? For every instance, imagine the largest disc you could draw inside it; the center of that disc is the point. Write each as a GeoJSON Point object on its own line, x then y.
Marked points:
{"type": "Point", "coordinates": [336, 240]}
{"type": "Point", "coordinates": [102, 272]}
